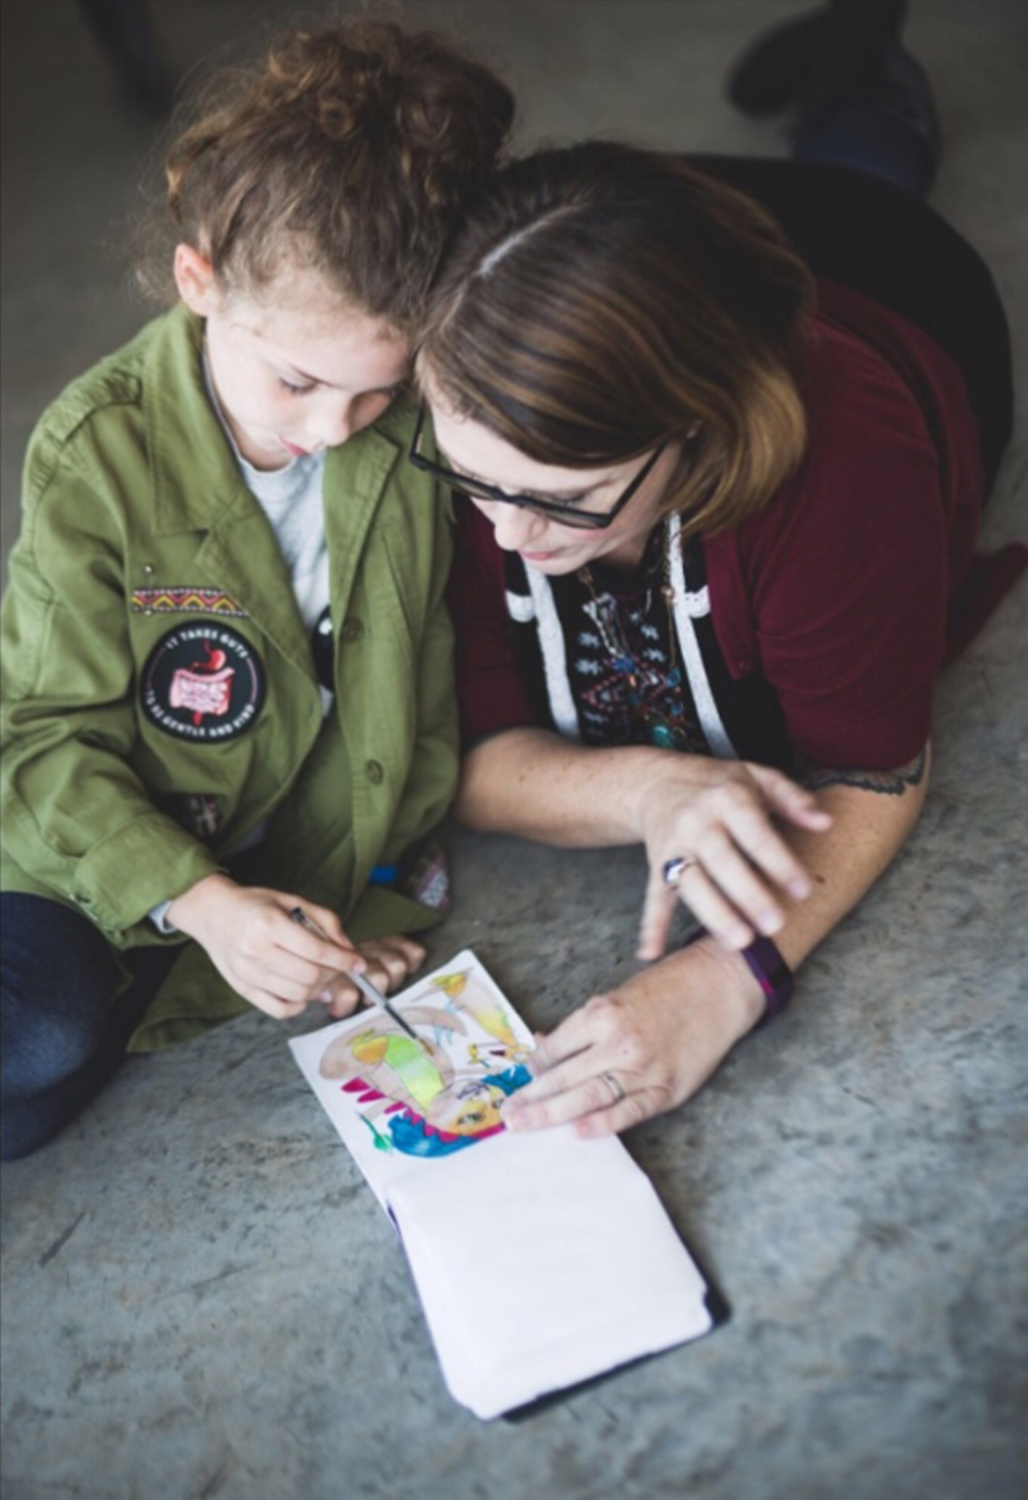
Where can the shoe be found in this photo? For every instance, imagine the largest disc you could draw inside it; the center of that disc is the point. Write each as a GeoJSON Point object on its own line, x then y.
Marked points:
{"type": "Point", "coordinates": [890, 129]}
{"type": "Point", "coordinates": [840, 48]}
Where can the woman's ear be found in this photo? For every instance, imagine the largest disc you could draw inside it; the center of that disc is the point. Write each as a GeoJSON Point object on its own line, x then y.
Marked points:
{"type": "Point", "coordinates": [195, 279]}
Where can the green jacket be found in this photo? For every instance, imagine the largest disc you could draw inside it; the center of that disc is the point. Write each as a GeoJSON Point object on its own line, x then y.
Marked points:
{"type": "Point", "coordinates": [159, 693]}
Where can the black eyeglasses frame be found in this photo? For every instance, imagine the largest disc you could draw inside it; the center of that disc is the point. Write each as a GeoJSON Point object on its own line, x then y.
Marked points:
{"type": "Point", "coordinates": [568, 515]}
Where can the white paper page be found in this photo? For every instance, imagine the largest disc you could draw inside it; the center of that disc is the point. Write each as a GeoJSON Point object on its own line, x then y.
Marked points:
{"type": "Point", "coordinates": [546, 1261]}
{"type": "Point", "coordinates": [540, 1259]}
{"type": "Point", "coordinates": [402, 1106]}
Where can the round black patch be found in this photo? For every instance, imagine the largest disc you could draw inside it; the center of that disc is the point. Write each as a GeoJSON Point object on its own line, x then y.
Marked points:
{"type": "Point", "coordinates": [203, 682]}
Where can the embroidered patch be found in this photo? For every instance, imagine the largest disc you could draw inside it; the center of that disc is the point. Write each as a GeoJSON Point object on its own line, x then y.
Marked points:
{"type": "Point", "coordinates": [424, 875]}
{"type": "Point", "coordinates": [198, 812]}
{"type": "Point", "coordinates": [203, 682]}
{"type": "Point", "coordinates": [180, 601]}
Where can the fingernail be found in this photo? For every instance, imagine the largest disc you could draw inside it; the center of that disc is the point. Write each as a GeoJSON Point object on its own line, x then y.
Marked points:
{"type": "Point", "coordinates": [512, 1119]}
{"type": "Point", "coordinates": [799, 889]}
{"type": "Point", "coordinates": [769, 922]}
{"type": "Point", "coordinates": [739, 937]}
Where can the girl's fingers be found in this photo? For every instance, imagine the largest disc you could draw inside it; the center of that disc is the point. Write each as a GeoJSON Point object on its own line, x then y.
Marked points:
{"type": "Point", "coordinates": [387, 962]}
{"type": "Point", "coordinates": [273, 1004]}
{"type": "Point", "coordinates": [341, 999]}
{"type": "Point", "coordinates": [328, 922]}
{"type": "Point", "coordinates": [315, 939]}
{"type": "Point", "coordinates": [413, 953]}
{"type": "Point", "coordinates": [292, 976]}
{"type": "Point", "coordinates": [390, 960]}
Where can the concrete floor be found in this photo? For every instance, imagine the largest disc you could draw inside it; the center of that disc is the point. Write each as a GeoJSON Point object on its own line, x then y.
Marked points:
{"type": "Point", "coordinates": [201, 1297]}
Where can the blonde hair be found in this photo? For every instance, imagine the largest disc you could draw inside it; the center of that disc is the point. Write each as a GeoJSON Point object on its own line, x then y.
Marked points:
{"type": "Point", "coordinates": [601, 299]}
{"type": "Point", "coordinates": [351, 151]}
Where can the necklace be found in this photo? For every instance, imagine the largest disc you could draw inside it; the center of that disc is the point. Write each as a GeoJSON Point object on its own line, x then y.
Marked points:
{"type": "Point", "coordinates": [652, 695]}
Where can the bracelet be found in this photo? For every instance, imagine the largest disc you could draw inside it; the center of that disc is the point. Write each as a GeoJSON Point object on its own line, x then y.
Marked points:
{"type": "Point", "coordinates": [770, 970]}
{"type": "Point", "coordinates": [772, 974]}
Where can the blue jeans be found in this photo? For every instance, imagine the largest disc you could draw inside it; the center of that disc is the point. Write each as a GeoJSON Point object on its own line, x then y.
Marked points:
{"type": "Point", "coordinates": [64, 1033]}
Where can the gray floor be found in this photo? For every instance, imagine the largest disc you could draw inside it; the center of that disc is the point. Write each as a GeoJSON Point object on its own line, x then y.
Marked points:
{"type": "Point", "coordinates": [202, 1300]}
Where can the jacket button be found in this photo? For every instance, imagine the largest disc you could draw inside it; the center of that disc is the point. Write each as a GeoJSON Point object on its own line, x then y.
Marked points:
{"type": "Point", "coordinates": [375, 772]}
{"type": "Point", "coordinates": [353, 630]}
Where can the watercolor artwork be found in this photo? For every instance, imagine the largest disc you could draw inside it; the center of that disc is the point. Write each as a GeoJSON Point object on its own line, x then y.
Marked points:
{"type": "Point", "coordinates": [592, 1272]}
{"type": "Point", "coordinates": [397, 1101]}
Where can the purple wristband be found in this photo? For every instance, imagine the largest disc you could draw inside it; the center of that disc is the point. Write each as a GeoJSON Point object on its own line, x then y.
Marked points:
{"type": "Point", "coordinates": [770, 969]}
{"type": "Point", "coordinates": [772, 974]}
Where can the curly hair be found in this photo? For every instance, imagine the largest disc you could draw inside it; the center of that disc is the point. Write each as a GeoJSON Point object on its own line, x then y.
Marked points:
{"type": "Point", "coordinates": [351, 151]}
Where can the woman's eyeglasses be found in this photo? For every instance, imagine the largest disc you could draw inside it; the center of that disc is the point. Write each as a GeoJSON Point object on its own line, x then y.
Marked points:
{"type": "Point", "coordinates": [566, 514]}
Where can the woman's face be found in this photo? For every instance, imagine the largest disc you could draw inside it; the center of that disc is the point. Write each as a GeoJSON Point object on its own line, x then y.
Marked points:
{"type": "Point", "coordinates": [541, 540]}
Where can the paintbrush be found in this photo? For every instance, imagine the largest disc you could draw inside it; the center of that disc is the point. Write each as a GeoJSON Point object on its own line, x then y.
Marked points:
{"type": "Point", "coordinates": [371, 993]}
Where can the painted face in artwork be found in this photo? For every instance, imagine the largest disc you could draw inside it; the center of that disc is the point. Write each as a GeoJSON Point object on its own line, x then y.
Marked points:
{"type": "Point", "coordinates": [467, 1106]}
{"type": "Point", "coordinates": [429, 1095]}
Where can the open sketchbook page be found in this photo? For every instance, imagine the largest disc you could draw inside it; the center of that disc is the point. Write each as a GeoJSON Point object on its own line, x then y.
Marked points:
{"type": "Point", "coordinates": [552, 1262]}
{"type": "Point", "coordinates": [541, 1260]}
{"type": "Point", "coordinates": [402, 1105]}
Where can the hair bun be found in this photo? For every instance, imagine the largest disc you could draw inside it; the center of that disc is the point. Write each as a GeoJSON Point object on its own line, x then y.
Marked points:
{"type": "Point", "coordinates": [364, 142]}
{"type": "Point", "coordinates": [341, 81]}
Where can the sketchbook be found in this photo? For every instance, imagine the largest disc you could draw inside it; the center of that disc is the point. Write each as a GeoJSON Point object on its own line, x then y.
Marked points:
{"type": "Point", "coordinates": [541, 1260]}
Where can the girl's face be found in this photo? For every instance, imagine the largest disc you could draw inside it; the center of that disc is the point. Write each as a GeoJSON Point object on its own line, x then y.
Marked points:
{"type": "Point", "coordinates": [541, 540]}
{"type": "Point", "coordinates": [295, 371]}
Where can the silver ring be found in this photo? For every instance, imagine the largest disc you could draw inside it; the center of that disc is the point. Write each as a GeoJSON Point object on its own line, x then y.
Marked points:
{"type": "Point", "coordinates": [675, 868]}
{"type": "Point", "coordinates": [614, 1086]}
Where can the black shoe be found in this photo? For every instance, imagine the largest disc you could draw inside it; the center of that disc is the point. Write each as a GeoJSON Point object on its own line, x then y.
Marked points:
{"type": "Point", "coordinates": [840, 48]}
{"type": "Point", "coordinates": [891, 130]}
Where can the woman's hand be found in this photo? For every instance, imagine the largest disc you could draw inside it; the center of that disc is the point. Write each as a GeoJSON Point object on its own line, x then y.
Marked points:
{"type": "Point", "coordinates": [641, 1049]}
{"type": "Point", "coordinates": [276, 963]}
{"type": "Point", "coordinates": [736, 866]}
{"type": "Point", "coordinates": [717, 816]}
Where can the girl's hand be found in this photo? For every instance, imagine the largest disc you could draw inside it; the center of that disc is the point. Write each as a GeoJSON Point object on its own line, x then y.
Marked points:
{"type": "Point", "coordinates": [641, 1049]}
{"type": "Point", "coordinates": [737, 866]}
{"type": "Point", "coordinates": [388, 962]}
{"type": "Point", "coordinates": [273, 961]}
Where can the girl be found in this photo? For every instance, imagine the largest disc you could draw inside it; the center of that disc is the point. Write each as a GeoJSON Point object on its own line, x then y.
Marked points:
{"type": "Point", "coordinates": [715, 510]}
{"type": "Point", "coordinates": [226, 660]}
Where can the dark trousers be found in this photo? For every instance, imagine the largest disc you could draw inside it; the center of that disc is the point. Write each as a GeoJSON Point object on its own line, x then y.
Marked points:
{"type": "Point", "coordinates": [859, 229]}
{"type": "Point", "coordinates": [64, 1032]}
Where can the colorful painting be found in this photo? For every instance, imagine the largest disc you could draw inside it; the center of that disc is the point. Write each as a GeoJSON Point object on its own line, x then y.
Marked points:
{"type": "Point", "coordinates": [394, 1097]}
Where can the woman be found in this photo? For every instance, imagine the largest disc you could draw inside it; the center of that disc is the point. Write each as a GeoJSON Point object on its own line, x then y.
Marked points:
{"type": "Point", "coordinates": [718, 509]}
